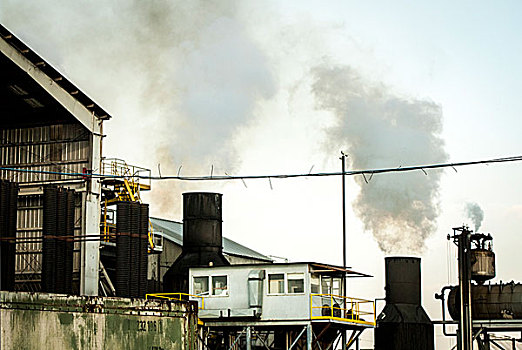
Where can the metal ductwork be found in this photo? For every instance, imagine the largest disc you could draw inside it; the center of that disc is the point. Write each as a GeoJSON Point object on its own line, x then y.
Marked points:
{"type": "Point", "coordinates": [403, 324]}
{"type": "Point", "coordinates": [202, 239]}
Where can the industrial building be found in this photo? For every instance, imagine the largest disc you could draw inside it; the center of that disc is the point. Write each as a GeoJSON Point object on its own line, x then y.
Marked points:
{"type": "Point", "coordinates": [52, 134]}
{"type": "Point", "coordinates": [81, 256]}
{"type": "Point", "coordinates": [51, 127]}
{"type": "Point", "coordinates": [74, 227]}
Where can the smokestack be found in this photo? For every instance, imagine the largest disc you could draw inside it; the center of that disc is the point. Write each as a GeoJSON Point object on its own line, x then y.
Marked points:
{"type": "Point", "coordinates": [202, 239]}
{"type": "Point", "coordinates": [403, 324]}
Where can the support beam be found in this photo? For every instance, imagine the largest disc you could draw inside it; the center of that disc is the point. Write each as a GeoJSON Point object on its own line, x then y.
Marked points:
{"type": "Point", "coordinates": [497, 345]}
{"type": "Point", "coordinates": [237, 339]}
{"type": "Point", "coordinates": [297, 338]}
{"type": "Point", "coordinates": [325, 328]}
{"type": "Point", "coordinates": [309, 337]}
{"type": "Point", "coordinates": [259, 336]}
{"type": "Point", "coordinates": [90, 257]}
{"type": "Point", "coordinates": [248, 338]}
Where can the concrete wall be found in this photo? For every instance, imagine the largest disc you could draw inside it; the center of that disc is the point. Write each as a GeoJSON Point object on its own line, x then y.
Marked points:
{"type": "Point", "coordinates": [50, 321]}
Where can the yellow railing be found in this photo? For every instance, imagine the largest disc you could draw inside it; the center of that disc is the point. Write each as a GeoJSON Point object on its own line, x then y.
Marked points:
{"type": "Point", "coordinates": [337, 307]}
{"type": "Point", "coordinates": [178, 296]}
{"type": "Point", "coordinates": [138, 176]}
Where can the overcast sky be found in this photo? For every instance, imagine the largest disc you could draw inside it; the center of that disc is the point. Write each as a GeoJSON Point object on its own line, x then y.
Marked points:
{"type": "Point", "coordinates": [278, 87]}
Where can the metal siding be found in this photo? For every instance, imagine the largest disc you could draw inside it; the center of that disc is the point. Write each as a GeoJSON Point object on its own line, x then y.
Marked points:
{"type": "Point", "coordinates": [58, 148]}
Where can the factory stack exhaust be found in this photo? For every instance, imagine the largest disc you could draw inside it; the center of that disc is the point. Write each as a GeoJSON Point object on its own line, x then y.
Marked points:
{"type": "Point", "coordinates": [202, 239]}
{"type": "Point", "coordinates": [403, 324]}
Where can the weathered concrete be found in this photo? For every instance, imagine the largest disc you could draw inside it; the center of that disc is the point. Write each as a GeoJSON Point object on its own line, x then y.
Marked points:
{"type": "Point", "coordinates": [51, 321]}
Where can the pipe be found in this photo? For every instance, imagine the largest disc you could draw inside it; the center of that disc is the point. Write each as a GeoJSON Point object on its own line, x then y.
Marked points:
{"type": "Point", "coordinates": [343, 158]}
{"type": "Point", "coordinates": [464, 261]}
{"type": "Point", "coordinates": [441, 297]}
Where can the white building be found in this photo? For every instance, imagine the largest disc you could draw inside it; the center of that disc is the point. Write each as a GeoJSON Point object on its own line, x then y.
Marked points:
{"type": "Point", "coordinates": [278, 305]}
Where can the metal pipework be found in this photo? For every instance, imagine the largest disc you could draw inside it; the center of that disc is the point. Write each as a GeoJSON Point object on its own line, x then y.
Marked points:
{"type": "Point", "coordinates": [482, 258]}
{"type": "Point", "coordinates": [461, 237]}
{"type": "Point", "coordinates": [441, 297]}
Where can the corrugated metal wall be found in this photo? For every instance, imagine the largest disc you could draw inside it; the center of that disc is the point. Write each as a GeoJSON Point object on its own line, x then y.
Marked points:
{"type": "Point", "coordinates": [54, 148]}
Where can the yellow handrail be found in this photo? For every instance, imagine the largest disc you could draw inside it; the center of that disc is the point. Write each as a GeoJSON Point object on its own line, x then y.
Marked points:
{"type": "Point", "coordinates": [331, 307]}
{"type": "Point", "coordinates": [172, 296]}
{"type": "Point", "coordinates": [150, 235]}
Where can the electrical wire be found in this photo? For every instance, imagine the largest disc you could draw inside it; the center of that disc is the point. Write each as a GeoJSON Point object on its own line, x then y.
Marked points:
{"type": "Point", "coordinates": [365, 172]}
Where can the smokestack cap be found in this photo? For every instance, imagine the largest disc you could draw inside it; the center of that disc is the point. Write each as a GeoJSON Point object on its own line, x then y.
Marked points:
{"type": "Point", "coordinates": [202, 205]}
{"type": "Point", "coordinates": [403, 280]}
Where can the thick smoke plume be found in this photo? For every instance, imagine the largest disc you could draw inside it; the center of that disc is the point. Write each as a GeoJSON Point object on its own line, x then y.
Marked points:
{"type": "Point", "coordinates": [380, 129]}
{"type": "Point", "coordinates": [181, 78]}
{"type": "Point", "coordinates": [475, 214]}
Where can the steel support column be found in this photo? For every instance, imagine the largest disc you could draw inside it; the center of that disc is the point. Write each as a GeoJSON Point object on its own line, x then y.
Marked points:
{"type": "Point", "coordinates": [309, 337]}
{"type": "Point", "coordinates": [248, 338]}
{"type": "Point", "coordinates": [90, 252]}
{"type": "Point", "coordinates": [464, 260]}
{"type": "Point", "coordinates": [344, 289]}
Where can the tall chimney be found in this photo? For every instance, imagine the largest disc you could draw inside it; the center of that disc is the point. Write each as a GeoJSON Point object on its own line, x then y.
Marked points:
{"type": "Point", "coordinates": [403, 324]}
{"type": "Point", "coordinates": [202, 239]}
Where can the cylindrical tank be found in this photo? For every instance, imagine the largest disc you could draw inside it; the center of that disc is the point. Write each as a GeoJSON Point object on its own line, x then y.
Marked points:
{"type": "Point", "coordinates": [482, 265]}
{"type": "Point", "coordinates": [490, 302]}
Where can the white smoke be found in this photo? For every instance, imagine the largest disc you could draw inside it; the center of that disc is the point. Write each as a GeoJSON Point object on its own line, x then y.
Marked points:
{"type": "Point", "coordinates": [475, 214]}
{"type": "Point", "coordinates": [380, 129]}
{"type": "Point", "coordinates": [185, 75]}
{"type": "Point", "coordinates": [188, 77]}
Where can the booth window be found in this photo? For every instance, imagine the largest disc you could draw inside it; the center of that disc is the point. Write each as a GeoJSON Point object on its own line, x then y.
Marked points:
{"type": "Point", "coordinates": [331, 285]}
{"type": "Point", "coordinates": [219, 285]}
{"type": "Point", "coordinates": [201, 285]}
{"type": "Point", "coordinates": [276, 283]}
{"type": "Point", "coordinates": [295, 283]}
{"type": "Point", "coordinates": [315, 283]}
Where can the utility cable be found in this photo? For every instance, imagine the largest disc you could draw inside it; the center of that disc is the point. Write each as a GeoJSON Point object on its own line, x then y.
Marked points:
{"type": "Point", "coordinates": [365, 172]}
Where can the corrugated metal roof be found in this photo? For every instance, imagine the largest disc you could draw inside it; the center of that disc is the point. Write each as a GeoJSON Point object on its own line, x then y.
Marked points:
{"type": "Point", "coordinates": [173, 231]}
{"type": "Point", "coordinates": [58, 78]}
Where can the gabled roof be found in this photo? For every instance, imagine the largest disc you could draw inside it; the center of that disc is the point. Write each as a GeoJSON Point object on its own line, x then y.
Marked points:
{"type": "Point", "coordinates": [48, 78]}
{"type": "Point", "coordinates": [173, 231]}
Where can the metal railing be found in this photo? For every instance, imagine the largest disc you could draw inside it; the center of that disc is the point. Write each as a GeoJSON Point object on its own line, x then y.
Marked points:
{"type": "Point", "coordinates": [119, 167]}
{"type": "Point", "coordinates": [178, 296]}
{"type": "Point", "coordinates": [337, 307]}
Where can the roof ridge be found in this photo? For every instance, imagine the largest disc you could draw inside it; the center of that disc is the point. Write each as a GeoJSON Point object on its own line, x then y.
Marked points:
{"type": "Point", "coordinates": [50, 71]}
{"type": "Point", "coordinates": [228, 241]}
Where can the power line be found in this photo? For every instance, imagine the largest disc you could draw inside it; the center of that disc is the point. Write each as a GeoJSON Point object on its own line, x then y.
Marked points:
{"type": "Point", "coordinates": [369, 172]}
